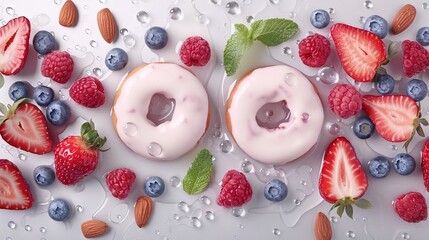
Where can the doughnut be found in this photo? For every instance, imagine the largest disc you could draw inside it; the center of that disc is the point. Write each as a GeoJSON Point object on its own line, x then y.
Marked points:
{"type": "Point", "coordinates": [177, 88]}
{"type": "Point", "coordinates": [274, 114]}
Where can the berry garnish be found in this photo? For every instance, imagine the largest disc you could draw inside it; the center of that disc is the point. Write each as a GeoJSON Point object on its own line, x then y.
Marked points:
{"type": "Point", "coordinates": [404, 163]}
{"type": "Point", "coordinates": [363, 127]}
{"type": "Point", "coordinates": [156, 38]}
{"type": "Point", "coordinates": [58, 112]}
{"type": "Point", "coordinates": [19, 90]}
{"type": "Point", "coordinates": [275, 190]}
{"type": "Point", "coordinates": [43, 42]}
{"type": "Point", "coordinates": [376, 25]}
{"type": "Point", "coordinates": [320, 18]}
{"type": "Point", "coordinates": [120, 181]}
{"type": "Point", "coordinates": [417, 89]}
{"type": "Point", "coordinates": [416, 58]}
{"type": "Point", "coordinates": [58, 66]}
{"type": "Point", "coordinates": [236, 190]}
{"type": "Point", "coordinates": [422, 36]}
{"type": "Point", "coordinates": [314, 50]}
{"type": "Point", "coordinates": [154, 186]}
{"type": "Point", "coordinates": [345, 101]}
{"type": "Point", "coordinates": [379, 167]}
{"type": "Point", "coordinates": [43, 95]}
{"type": "Point", "coordinates": [88, 92]}
{"type": "Point", "coordinates": [195, 51]}
{"type": "Point", "coordinates": [116, 59]}
{"type": "Point", "coordinates": [411, 207]}
{"type": "Point", "coordinates": [59, 210]}
{"type": "Point", "coordinates": [44, 175]}
{"type": "Point", "coordinates": [425, 164]}
{"type": "Point", "coordinates": [384, 84]}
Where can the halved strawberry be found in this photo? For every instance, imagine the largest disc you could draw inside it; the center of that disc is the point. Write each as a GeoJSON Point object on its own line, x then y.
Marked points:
{"type": "Point", "coordinates": [425, 165]}
{"type": "Point", "coordinates": [14, 43]}
{"type": "Point", "coordinates": [361, 52]}
{"type": "Point", "coordinates": [396, 117]}
{"type": "Point", "coordinates": [14, 191]}
{"type": "Point", "coordinates": [342, 179]}
{"type": "Point", "coordinates": [24, 126]}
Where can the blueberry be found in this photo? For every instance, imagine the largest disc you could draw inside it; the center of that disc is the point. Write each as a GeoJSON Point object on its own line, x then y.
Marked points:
{"type": "Point", "coordinates": [44, 42]}
{"type": "Point", "coordinates": [116, 59]}
{"type": "Point", "coordinates": [275, 190]}
{"type": "Point", "coordinates": [44, 175]}
{"type": "Point", "coordinates": [59, 210]}
{"type": "Point", "coordinates": [376, 25]}
{"type": "Point", "coordinates": [363, 127]}
{"type": "Point", "coordinates": [417, 89]}
{"type": "Point", "coordinates": [320, 18]}
{"type": "Point", "coordinates": [58, 113]}
{"type": "Point", "coordinates": [385, 84]}
{"type": "Point", "coordinates": [423, 36]}
{"type": "Point", "coordinates": [154, 186]}
{"type": "Point", "coordinates": [19, 90]}
{"type": "Point", "coordinates": [379, 167]}
{"type": "Point", "coordinates": [43, 95]}
{"type": "Point", "coordinates": [156, 38]}
{"type": "Point", "coordinates": [404, 163]}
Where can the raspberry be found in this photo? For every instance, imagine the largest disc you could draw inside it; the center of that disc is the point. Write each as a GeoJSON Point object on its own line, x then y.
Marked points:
{"type": "Point", "coordinates": [314, 50]}
{"type": "Point", "coordinates": [411, 207]}
{"type": "Point", "coordinates": [195, 51]}
{"type": "Point", "coordinates": [235, 191]}
{"type": "Point", "coordinates": [88, 92]}
{"type": "Point", "coordinates": [120, 181]}
{"type": "Point", "coordinates": [345, 101]}
{"type": "Point", "coordinates": [58, 66]}
{"type": "Point", "coordinates": [416, 58]}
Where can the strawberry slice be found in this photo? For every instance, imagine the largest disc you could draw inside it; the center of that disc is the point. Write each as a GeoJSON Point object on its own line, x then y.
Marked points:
{"type": "Point", "coordinates": [342, 179]}
{"type": "Point", "coordinates": [396, 117]}
{"type": "Point", "coordinates": [14, 191]}
{"type": "Point", "coordinates": [425, 165]}
{"type": "Point", "coordinates": [24, 126]}
{"type": "Point", "coordinates": [361, 52]}
{"type": "Point", "coordinates": [14, 43]}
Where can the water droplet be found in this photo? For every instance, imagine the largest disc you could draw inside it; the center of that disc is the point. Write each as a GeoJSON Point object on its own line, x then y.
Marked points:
{"type": "Point", "coordinates": [102, 1]}
{"type": "Point", "coordinates": [77, 47]}
{"type": "Point", "coordinates": [175, 181]}
{"type": "Point", "coordinates": [333, 219]}
{"type": "Point", "coordinates": [303, 183]}
{"type": "Point", "coordinates": [79, 208]}
{"type": "Point", "coordinates": [368, 4]}
{"type": "Point", "coordinates": [238, 212]}
{"type": "Point", "coordinates": [79, 187]}
{"type": "Point", "coordinates": [305, 116]}
{"type": "Point", "coordinates": [27, 228]}
{"type": "Point", "coordinates": [203, 19]}
{"type": "Point", "coordinates": [154, 149]}
{"type": "Point", "coordinates": [351, 234]}
{"type": "Point", "coordinates": [93, 43]}
{"type": "Point", "coordinates": [233, 8]}
{"type": "Point", "coordinates": [264, 172]}
{"type": "Point", "coordinates": [425, 6]}
{"type": "Point", "coordinates": [225, 146]}
{"type": "Point", "coordinates": [405, 236]}
{"type": "Point", "coordinates": [87, 31]}
{"type": "Point", "coordinates": [209, 215]}
{"type": "Point", "coordinates": [334, 129]}
{"type": "Point", "coordinates": [287, 50]}
{"type": "Point", "coordinates": [292, 14]}
{"type": "Point", "coordinates": [22, 157]}
{"type": "Point", "coordinates": [10, 11]}
{"type": "Point", "coordinates": [217, 2]}
{"type": "Point", "coordinates": [57, 1]}
{"type": "Point", "coordinates": [275, 2]}
{"type": "Point", "coordinates": [8, 238]}
{"type": "Point", "coordinates": [327, 75]}
{"type": "Point", "coordinates": [183, 206]}
{"type": "Point", "coordinates": [157, 232]}
{"type": "Point", "coordinates": [97, 72]}
{"type": "Point", "coordinates": [195, 222]}
{"type": "Point", "coordinates": [176, 217]}
{"type": "Point", "coordinates": [11, 224]}
{"type": "Point", "coordinates": [142, 17]}
{"type": "Point", "coordinates": [331, 11]}
{"type": "Point", "coordinates": [276, 231]}
{"type": "Point", "coordinates": [205, 200]}
{"type": "Point", "coordinates": [65, 37]}
{"type": "Point", "coordinates": [217, 134]}
{"type": "Point", "coordinates": [297, 202]}
{"type": "Point", "coordinates": [247, 167]}
{"type": "Point", "coordinates": [129, 41]}
{"type": "Point", "coordinates": [241, 226]}
{"type": "Point", "coordinates": [176, 13]}
{"type": "Point", "coordinates": [42, 229]}
{"type": "Point", "coordinates": [130, 129]}
{"type": "Point", "coordinates": [362, 20]}
{"type": "Point", "coordinates": [64, 93]}
{"type": "Point", "coordinates": [394, 147]}
{"type": "Point", "coordinates": [134, 1]}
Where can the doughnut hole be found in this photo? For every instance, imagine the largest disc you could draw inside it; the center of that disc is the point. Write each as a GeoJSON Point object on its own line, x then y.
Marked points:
{"type": "Point", "coordinates": [161, 109]}
{"type": "Point", "coordinates": [272, 114]}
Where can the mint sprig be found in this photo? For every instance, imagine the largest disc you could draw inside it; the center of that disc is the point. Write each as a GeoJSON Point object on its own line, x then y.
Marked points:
{"type": "Point", "coordinates": [198, 176]}
{"type": "Point", "coordinates": [270, 32]}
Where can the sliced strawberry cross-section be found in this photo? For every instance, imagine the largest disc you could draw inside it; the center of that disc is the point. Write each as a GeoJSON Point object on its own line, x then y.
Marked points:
{"type": "Point", "coordinates": [425, 165]}
{"type": "Point", "coordinates": [342, 179]}
{"type": "Point", "coordinates": [14, 37]}
{"type": "Point", "coordinates": [361, 52]}
{"type": "Point", "coordinates": [14, 191]}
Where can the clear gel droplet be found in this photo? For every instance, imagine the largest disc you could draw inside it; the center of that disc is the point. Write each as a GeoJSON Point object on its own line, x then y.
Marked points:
{"type": "Point", "coordinates": [176, 13]}
{"type": "Point", "coordinates": [154, 149]}
{"type": "Point", "coordinates": [142, 17]}
{"type": "Point", "coordinates": [175, 181]}
{"type": "Point", "coordinates": [209, 215]}
{"type": "Point", "coordinates": [11, 224]}
{"type": "Point", "coordinates": [327, 76]}
{"type": "Point", "coordinates": [130, 129]}
{"type": "Point", "coordinates": [233, 8]}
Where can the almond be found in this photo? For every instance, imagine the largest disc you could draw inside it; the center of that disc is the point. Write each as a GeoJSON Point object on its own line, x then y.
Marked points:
{"type": "Point", "coordinates": [93, 228]}
{"type": "Point", "coordinates": [107, 25]}
{"type": "Point", "coordinates": [322, 227]}
{"type": "Point", "coordinates": [68, 14]}
{"type": "Point", "coordinates": [143, 210]}
{"type": "Point", "coordinates": [403, 19]}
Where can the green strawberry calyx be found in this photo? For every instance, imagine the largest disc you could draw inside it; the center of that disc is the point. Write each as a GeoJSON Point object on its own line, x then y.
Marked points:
{"type": "Point", "coordinates": [90, 136]}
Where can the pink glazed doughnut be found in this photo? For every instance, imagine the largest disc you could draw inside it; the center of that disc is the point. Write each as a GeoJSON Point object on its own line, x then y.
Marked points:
{"type": "Point", "coordinates": [170, 139]}
{"type": "Point", "coordinates": [290, 139]}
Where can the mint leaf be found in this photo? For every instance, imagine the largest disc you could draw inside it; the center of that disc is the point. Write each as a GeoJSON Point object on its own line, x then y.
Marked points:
{"type": "Point", "coordinates": [235, 48]}
{"type": "Point", "coordinates": [274, 31]}
{"type": "Point", "coordinates": [198, 176]}
{"type": "Point", "coordinates": [1, 80]}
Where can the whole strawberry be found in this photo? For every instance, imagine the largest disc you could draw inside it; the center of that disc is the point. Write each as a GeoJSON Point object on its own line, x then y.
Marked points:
{"type": "Point", "coordinates": [195, 51]}
{"type": "Point", "coordinates": [314, 50]}
{"type": "Point", "coordinates": [416, 58]}
{"type": "Point", "coordinates": [77, 156]}
{"type": "Point", "coordinates": [88, 92]}
{"type": "Point", "coordinates": [58, 66]}
{"type": "Point", "coordinates": [120, 181]}
{"type": "Point", "coordinates": [235, 191]}
{"type": "Point", "coordinates": [411, 207]}
{"type": "Point", "coordinates": [345, 101]}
